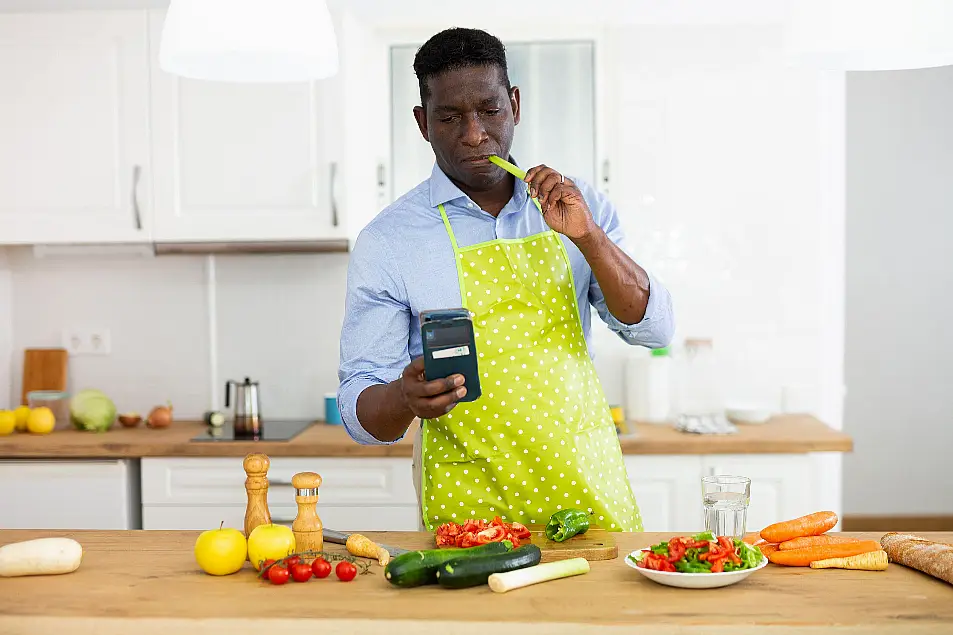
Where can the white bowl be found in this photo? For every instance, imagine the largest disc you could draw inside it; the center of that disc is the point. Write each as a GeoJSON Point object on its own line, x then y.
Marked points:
{"type": "Point", "coordinates": [750, 415]}
{"type": "Point", "coordinates": [692, 580]}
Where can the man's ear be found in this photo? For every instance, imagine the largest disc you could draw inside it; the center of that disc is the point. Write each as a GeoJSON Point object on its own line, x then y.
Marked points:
{"type": "Point", "coordinates": [420, 114]}
{"type": "Point", "coordinates": [515, 103]}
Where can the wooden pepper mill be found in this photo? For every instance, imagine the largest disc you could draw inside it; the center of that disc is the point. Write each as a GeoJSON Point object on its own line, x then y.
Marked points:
{"type": "Point", "coordinates": [307, 527]}
{"type": "Point", "coordinates": [256, 485]}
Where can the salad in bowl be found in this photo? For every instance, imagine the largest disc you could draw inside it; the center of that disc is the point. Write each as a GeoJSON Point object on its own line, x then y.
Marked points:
{"type": "Point", "coordinates": [719, 561]}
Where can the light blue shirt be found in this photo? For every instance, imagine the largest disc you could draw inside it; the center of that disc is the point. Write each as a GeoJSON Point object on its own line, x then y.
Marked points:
{"type": "Point", "coordinates": [403, 263]}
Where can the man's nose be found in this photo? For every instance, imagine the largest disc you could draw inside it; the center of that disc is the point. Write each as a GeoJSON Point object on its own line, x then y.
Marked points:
{"type": "Point", "coordinates": [474, 134]}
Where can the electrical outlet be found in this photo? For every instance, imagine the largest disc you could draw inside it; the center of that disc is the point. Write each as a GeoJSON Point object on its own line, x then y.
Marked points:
{"type": "Point", "coordinates": [79, 341]}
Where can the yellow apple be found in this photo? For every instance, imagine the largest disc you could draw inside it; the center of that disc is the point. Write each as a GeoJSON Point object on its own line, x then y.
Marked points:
{"type": "Point", "coordinates": [270, 542]}
{"type": "Point", "coordinates": [221, 551]}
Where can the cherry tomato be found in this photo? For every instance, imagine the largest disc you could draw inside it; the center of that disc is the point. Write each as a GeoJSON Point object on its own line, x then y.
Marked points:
{"type": "Point", "coordinates": [292, 561]}
{"type": "Point", "coordinates": [267, 563]}
{"type": "Point", "coordinates": [300, 572]}
{"type": "Point", "coordinates": [345, 571]}
{"type": "Point", "coordinates": [278, 574]}
{"type": "Point", "coordinates": [321, 568]}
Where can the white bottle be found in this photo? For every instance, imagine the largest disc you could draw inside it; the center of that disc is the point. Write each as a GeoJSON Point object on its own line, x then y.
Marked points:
{"type": "Point", "coordinates": [658, 386]}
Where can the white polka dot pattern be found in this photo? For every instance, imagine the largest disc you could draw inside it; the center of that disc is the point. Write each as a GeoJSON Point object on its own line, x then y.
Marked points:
{"type": "Point", "coordinates": [546, 430]}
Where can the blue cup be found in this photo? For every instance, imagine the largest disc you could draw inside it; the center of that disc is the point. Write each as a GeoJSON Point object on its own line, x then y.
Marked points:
{"type": "Point", "coordinates": [331, 413]}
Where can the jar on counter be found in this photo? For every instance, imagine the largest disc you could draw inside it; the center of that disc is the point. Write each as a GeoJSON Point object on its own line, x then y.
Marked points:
{"type": "Point", "coordinates": [648, 386]}
{"type": "Point", "coordinates": [57, 401]}
{"type": "Point", "coordinates": [699, 391]}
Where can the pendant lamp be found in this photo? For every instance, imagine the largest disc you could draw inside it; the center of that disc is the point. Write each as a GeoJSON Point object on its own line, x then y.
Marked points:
{"type": "Point", "coordinates": [249, 40]}
{"type": "Point", "coordinates": [869, 35]}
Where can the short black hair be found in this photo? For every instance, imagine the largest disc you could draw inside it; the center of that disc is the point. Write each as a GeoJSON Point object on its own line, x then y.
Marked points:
{"type": "Point", "coordinates": [457, 48]}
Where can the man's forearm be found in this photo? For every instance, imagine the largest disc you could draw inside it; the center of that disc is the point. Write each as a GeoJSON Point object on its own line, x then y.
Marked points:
{"type": "Point", "coordinates": [624, 283]}
{"type": "Point", "coordinates": [383, 412]}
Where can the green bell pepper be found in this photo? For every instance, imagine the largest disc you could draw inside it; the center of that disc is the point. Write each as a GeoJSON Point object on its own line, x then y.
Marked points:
{"type": "Point", "coordinates": [567, 523]}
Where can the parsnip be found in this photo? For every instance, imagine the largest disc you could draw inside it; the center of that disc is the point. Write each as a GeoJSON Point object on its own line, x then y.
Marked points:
{"type": "Point", "coordinates": [870, 561]}
{"type": "Point", "coordinates": [41, 556]}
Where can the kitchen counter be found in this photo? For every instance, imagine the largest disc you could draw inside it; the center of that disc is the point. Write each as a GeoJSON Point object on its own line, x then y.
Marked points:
{"type": "Point", "coordinates": [148, 583]}
{"type": "Point", "coordinates": [783, 434]}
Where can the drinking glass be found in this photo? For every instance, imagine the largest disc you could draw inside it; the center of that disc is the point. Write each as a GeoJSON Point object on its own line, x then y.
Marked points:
{"type": "Point", "coordinates": [725, 500]}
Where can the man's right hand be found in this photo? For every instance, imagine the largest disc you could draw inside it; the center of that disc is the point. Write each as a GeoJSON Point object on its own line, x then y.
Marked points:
{"type": "Point", "coordinates": [430, 399]}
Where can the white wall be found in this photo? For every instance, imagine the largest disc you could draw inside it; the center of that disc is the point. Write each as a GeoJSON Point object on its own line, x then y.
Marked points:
{"type": "Point", "coordinates": [728, 177]}
{"type": "Point", "coordinates": [899, 353]}
{"type": "Point", "coordinates": [278, 322]}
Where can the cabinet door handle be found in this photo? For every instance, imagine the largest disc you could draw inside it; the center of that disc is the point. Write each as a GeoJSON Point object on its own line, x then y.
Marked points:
{"type": "Point", "coordinates": [136, 169]}
{"type": "Point", "coordinates": [334, 198]}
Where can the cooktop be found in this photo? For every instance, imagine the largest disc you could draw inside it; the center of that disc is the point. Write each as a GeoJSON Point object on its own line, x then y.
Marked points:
{"type": "Point", "coordinates": [269, 430]}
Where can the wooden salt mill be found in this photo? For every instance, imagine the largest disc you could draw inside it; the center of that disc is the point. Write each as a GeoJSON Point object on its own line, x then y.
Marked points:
{"type": "Point", "coordinates": [307, 527]}
{"type": "Point", "coordinates": [256, 485]}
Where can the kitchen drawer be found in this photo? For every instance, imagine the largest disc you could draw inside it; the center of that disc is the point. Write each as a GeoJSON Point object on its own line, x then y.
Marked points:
{"type": "Point", "coordinates": [221, 481]}
{"type": "Point", "coordinates": [667, 490]}
{"type": "Point", "coordinates": [381, 518]}
{"type": "Point", "coordinates": [77, 494]}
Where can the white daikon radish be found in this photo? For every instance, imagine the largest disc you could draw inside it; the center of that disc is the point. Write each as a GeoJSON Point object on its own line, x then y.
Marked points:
{"type": "Point", "coordinates": [41, 556]}
{"type": "Point", "coordinates": [518, 578]}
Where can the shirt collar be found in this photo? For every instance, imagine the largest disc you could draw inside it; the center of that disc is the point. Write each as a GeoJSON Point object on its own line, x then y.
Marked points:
{"type": "Point", "coordinates": [442, 189]}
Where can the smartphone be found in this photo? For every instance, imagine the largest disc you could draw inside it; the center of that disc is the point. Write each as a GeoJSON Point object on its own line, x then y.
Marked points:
{"type": "Point", "coordinates": [450, 348]}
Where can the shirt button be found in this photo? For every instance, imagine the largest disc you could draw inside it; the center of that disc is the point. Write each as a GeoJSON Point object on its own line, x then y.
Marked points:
{"type": "Point", "coordinates": [470, 205]}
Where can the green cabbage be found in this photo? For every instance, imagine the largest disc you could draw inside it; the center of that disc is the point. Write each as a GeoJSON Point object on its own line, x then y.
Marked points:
{"type": "Point", "coordinates": [92, 410]}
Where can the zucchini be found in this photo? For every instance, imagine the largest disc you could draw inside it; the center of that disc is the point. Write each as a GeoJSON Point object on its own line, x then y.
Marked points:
{"type": "Point", "coordinates": [416, 568]}
{"type": "Point", "coordinates": [468, 572]}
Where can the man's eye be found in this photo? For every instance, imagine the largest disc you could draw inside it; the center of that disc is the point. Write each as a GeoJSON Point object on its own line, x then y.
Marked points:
{"type": "Point", "coordinates": [494, 111]}
{"type": "Point", "coordinates": [449, 119]}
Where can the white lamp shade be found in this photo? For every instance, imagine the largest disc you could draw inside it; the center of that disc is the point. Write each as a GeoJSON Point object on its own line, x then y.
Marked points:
{"type": "Point", "coordinates": [249, 40]}
{"type": "Point", "coordinates": [870, 35]}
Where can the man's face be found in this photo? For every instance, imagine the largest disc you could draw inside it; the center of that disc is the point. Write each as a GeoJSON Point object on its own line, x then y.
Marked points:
{"type": "Point", "coordinates": [468, 116]}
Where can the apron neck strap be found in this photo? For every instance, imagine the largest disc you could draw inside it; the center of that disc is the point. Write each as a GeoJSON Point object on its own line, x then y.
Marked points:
{"type": "Point", "coordinates": [446, 223]}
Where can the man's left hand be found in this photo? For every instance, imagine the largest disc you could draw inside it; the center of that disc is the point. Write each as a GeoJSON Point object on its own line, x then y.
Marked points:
{"type": "Point", "coordinates": [564, 207]}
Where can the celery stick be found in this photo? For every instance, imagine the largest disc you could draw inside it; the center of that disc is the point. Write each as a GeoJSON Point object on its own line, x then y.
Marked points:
{"type": "Point", "coordinates": [509, 167]}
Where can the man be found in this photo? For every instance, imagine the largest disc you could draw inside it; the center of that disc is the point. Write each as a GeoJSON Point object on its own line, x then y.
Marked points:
{"type": "Point", "coordinates": [527, 265]}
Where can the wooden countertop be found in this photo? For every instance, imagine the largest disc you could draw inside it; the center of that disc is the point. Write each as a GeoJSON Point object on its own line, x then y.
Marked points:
{"type": "Point", "coordinates": [147, 583]}
{"type": "Point", "coordinates": [784, 434]}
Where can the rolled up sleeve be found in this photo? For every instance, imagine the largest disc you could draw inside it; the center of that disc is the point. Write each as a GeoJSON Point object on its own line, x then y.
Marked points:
{"type": "Point", "coordinates": [375, 333]}
{"type": "Point", "coordinates": [657, 327]}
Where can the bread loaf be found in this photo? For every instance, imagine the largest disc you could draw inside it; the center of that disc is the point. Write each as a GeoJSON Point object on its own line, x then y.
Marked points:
{"type": "Point", "coordinates": [933, 558]}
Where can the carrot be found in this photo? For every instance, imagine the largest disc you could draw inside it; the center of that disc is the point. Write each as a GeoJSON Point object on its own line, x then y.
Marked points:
{"type": "Point", "coordinates": [810, 525]}
{"type": "Point", "coordinates": [358, 545]}
{"type": "Point", "coordinates": [814, 541]}
{"type": "Point", "coordinates": [767, 549]}
{"type": "Point", "coordinates": [870, 561]}
{"type": "Point", "coordinates": [751, 538]}
{"type": "Point", "coordinates": [804, 557]}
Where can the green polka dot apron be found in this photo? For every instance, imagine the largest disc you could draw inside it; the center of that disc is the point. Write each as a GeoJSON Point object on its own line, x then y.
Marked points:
{"type": "Point", "coordinates": [541, 437]}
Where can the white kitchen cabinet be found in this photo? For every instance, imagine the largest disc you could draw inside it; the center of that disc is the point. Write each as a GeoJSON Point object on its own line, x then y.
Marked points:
{"type": "Point", "coordinates": [356, 493]}
{"type": "Point", "coordinates": [667, 490]}
{"type": "Point", "coordinates": [74, 152]}
{"type": "Point", "coordinates": [339, 518]}
{"type": "Point", "coordinates": [243, 162]}
{"type": "Point", "coordinates": [781, 484]}
{"type": "Point", "coordinates": [55, 494]}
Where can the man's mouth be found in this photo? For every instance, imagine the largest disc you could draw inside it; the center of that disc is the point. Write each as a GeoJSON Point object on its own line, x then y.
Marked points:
{"type": "Point", "coordinates": [483, 158]}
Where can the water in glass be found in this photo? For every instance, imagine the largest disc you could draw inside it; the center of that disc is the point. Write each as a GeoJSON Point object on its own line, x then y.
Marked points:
{"type": "Point", "coordinates": [725, 513]}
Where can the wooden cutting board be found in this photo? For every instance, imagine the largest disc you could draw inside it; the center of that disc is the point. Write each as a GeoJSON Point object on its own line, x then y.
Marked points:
{"type": "Point", "coordinates": [44, 369]}
{"type": "Point", "coordinates": [595, 544]}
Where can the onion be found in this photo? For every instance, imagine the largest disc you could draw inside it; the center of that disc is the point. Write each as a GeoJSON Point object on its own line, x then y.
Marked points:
{"type": "Point", "coordinates": [130, 419]}
{"type": "Point", "coordinates": [160, 417]}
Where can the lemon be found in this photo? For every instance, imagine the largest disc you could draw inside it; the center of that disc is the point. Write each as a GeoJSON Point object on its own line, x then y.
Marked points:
{"type": "Point", "coordinates": [21, 413]}
{"type": "Point", "coordinates": [8, 422]}
{"type": "Point", "coordinates": [41, 421]}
